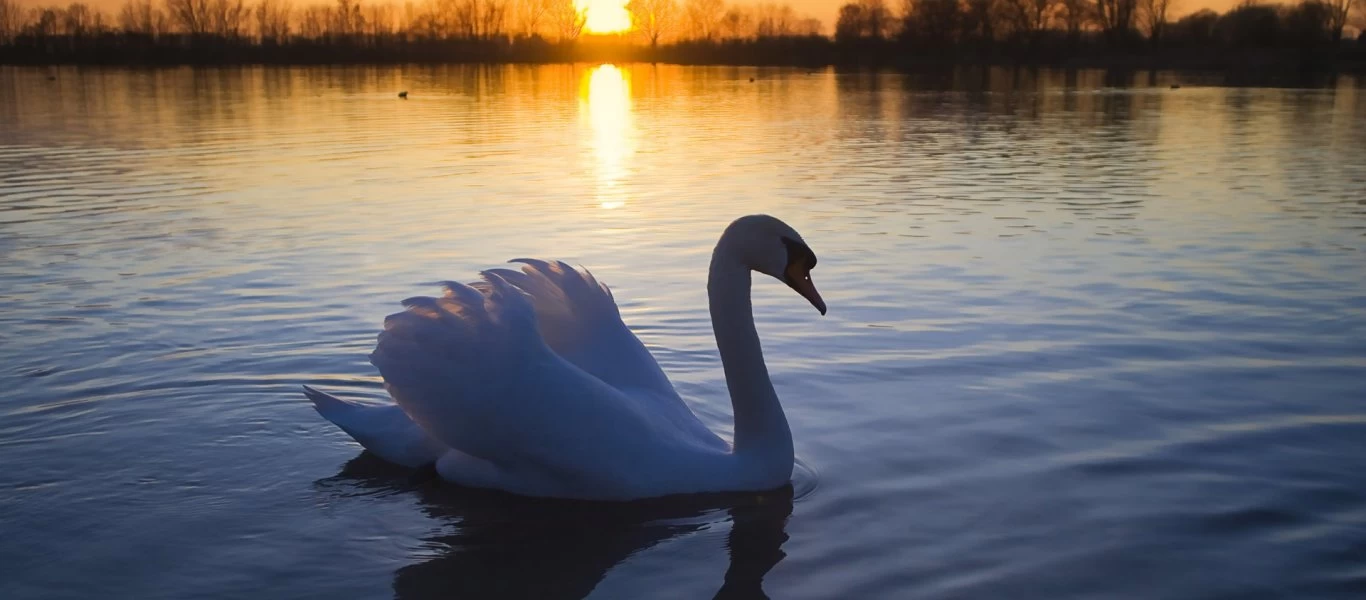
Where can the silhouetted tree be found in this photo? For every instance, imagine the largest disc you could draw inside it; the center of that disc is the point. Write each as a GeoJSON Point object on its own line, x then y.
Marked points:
{"type": "Point", "coordinates": [78, 20]}
{"type": "Point", "coordinates": [141, 17]}
{"type": "Point", "coordinates": [1116, 18]}
{"type": "Point", "coordinates": [878, 19]}
{"type": "Point", "coordinates": [807, 26]}
{"type": "Point", "coordinates": [379, 20]}
{"type": "Point", "coordinates": [1154, 13]}
{"type": "Point", "coordinates": [1196, 29]}
{"type": "Point", "coordinates": [932, 23]}
{"type": "Point", "coordinates": [1031, 17]}
{"type": "Point", "coordinates": [697, 30]}
{"type": "Point", "coordinates": [1338, 14]}
{"type": "Point", "coordinates": [774, 20]}
{"type": "Point", "coordinates": [1308, 24]}
{"type": "Point", "coordinates": [10, 21]}
{"type": "Point", "coordinates": [864, 20]}
{"type": "Point", "coordinates": [228, 18]}
{"type": "Point", "coordinates": [1074, 15]}
{"type": "Point", "coordinates": [849, 23]}
{"type": "Point", "coordinates": [272, 20]}
{"type": "Point", "coordinates": [701, 18]}
{"type": "Point", "coordinates": [1249, 25]}
{"type": "Point", "coordinates": [736, 23]}
{"type": "Point", "coordinates": [190, 16]}
{"type": "Point", "coordinates": [475, 19]}
{"type": "Point", "coordinates": [532, 15]}
{"type": "Point", "coordinates": [567, 19]}
{"type": "Point", "coordinates": [976, 19]}
{"type": "Point", "coordinates": [651, 18]}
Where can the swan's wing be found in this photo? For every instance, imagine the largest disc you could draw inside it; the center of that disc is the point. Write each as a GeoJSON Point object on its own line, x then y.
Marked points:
{"type": "Point", "coordinates": [472, 370]}
{"type": "Point", "coordinates": [579, 320]}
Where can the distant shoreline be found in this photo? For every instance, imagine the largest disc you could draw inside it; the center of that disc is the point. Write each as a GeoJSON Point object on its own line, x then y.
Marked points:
{"type": "Point", "coordinates": [1273, 62]}
{"type": "Point", "coordinates": [793, 51]}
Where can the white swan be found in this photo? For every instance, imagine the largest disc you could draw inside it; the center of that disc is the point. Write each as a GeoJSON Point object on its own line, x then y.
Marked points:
{"type": "Point", "coordinates": [529, 382]}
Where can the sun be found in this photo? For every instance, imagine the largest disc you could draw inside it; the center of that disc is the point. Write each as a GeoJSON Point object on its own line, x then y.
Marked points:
{"type": "Point", "coordinates": [605, 16]}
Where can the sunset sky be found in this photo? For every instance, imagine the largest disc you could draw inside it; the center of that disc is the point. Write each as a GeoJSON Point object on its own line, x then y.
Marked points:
{"type": "Point", "coordinates": [824, 10]}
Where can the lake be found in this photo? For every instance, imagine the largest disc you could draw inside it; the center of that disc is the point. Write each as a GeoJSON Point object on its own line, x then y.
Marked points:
{"type": "Point", "coordinates": [1089, 335]}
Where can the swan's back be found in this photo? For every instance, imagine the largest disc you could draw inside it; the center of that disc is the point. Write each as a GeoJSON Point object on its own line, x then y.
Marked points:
{"type": "Point", "coordinates": [472, 370]}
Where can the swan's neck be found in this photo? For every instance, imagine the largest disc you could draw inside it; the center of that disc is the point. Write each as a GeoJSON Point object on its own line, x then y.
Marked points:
{"type": "Point", "coordinates": [762, 437]}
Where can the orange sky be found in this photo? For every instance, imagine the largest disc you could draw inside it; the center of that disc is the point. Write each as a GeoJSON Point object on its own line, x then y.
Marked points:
{"type": "Point", "coordinates": [823, 9]}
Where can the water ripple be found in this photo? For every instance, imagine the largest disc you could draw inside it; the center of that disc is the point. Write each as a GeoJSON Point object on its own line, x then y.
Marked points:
{"type": "Point", "coordinates": [1080, 327]}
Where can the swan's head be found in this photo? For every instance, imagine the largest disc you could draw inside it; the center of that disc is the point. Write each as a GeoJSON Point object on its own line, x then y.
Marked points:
{"type": "Point", "coordinates": [770, 246]}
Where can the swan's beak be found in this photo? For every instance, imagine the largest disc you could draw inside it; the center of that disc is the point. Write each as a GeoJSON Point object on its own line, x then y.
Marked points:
{"type": "Point", "coordinates": [799, 278]}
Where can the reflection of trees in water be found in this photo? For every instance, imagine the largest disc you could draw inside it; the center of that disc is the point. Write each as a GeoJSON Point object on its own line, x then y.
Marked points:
{"type": "Point", "coordinates": [512, 547]}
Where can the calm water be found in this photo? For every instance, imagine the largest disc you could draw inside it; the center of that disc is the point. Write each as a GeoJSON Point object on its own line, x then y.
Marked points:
{"type": "Point", "coordinates": [1088, 337]}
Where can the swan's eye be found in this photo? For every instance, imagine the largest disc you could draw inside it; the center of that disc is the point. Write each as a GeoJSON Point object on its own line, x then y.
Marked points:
{"type": "Point", "coordinates": [797, 274]}
{"type": "Point", "coordinates": [799, 255]}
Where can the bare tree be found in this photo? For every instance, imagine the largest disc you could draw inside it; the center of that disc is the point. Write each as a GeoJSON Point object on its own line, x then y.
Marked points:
{"type": "Point", "coordinates": [77, 20]}
{"type": "Point", "coordinates": [45, 22]}
{"type": "Point", "coordinates": [272, 20]}
{"type": "Point", "coordinates": [532, 15]}
{"type": "Point", "coordinates": [807, 26]}
{"type": "Point", "coordinates": [849, 23]}
{"type": "Point", "coordinates": [864, 19]}
{"type": "Point", "coordinates": [142, 17]}
{"type": "Point", "coordinates": [932, 22]}
{"type": "Point", "coordinates": [1154, 14]}
{"type": "Point", "coordinates": [492, 18]}
{"type": "Point", "coordinates": [773, 20]}
{"type": "Point", "coordinates": [1030, 17]}
{"type": "Point", "coordinates": [977, 20]}
{"type": "Point", "coordinates": [346, 18]}
{"type": "Point", "coordinates": [877, 18]}
{"type": "Point", "coordinates": [227, 18]}
{"type": "Point", "coordinates": [567, 19]}
{"type": "Point", "coordinates": [1338, 10]}
{"type": "Point", "coordinates": [11, 20]}
{"type": "Point", "coordinates": [476, 19]}
{"type": "Point", "coordinates": [1116, 17]}
{"type": "Point", "coordinates": [313, 21]}
{"type": "Point", "coordinates": [1074, 14]}
{"type": "Point", "coordinates": [379, 20]}
{"type": "Point", "coordinates": [703, 18]}
{"type": "Point", "coordinates": [736, 23]}
{"type": "Point", "coordinates": [192, 16]}
{"type": "Point", "coordinates": [652, 17]}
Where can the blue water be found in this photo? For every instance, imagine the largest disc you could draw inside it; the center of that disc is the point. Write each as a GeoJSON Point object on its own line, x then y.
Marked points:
{"type": "Point", "coordinates": [1089, 336]}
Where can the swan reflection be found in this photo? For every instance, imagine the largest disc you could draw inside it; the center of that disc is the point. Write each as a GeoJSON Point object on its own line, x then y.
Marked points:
{"type": "Point", "coordinates": [511, 547]}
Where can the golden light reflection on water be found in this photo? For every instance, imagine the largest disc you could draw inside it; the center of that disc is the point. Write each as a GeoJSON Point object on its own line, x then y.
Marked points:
{"type": "Point", "coordinates": [605, 98]}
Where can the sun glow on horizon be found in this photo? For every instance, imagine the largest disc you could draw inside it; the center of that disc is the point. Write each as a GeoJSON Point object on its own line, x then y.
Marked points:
{"type": "Point", "coordinates": [605, 16]}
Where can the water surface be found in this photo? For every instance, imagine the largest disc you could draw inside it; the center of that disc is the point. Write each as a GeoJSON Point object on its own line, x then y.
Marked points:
{"type": "Point", "coordinates": [1089, 336]}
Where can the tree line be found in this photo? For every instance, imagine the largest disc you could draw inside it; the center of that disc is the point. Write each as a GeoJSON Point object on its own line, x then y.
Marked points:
{"type": "Point", "coordinates": [274, 22]}
{"type": "Point", "coordinates": [686, 31]}
{"type": "Point", "coordinates": [956, 24]}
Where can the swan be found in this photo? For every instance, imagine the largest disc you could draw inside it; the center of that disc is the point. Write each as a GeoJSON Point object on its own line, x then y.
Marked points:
{"type": "Point", "coordinates": [529, 382]}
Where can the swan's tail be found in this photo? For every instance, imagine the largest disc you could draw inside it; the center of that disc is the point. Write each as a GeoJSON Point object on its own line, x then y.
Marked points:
{"type": "Point", "coordinates": [383, 429]}
{"type": "Point", "coordinates": [332, 408]}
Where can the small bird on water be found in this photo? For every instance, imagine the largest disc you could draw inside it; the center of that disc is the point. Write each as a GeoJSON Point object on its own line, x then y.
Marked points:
{"type": "Point", "coordinates": [403, 94]}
